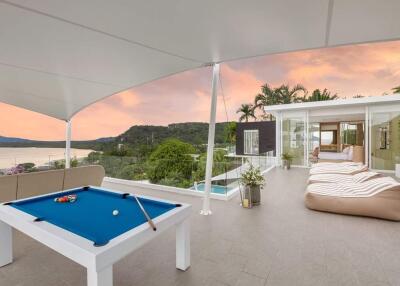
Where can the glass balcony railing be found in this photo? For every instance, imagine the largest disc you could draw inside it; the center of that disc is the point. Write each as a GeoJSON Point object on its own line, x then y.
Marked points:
{"type": "Point", "coordinates": [187, 174]}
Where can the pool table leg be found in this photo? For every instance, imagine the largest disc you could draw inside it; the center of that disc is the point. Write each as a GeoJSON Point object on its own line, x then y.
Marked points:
{"type": "Point", "coordinates": [100, 278]}
{"type": "Point", "coordinates": [183, 245]}
{"type": "Point", "coordinates": [6, 255]}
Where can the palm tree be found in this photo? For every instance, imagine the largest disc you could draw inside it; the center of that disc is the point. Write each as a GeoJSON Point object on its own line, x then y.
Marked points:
{"type": "Point", "coordinates": [247, 111]}
{"type": "Point", "coordinates": [268, 96]}
{"type": "Point", "coordinates": [317, 95]}
{"type": "Point", "coordinates": [396, 89]}
{"type": "Point", "coordinates": [291, 95]}
{"type": "Point", "coordinates": [278, 95]}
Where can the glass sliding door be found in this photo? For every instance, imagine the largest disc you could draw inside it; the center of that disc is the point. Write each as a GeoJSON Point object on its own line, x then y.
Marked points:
{"type": "Point", "coordinates": [385, 139]}
{"type": "Point", "coordinates": [351, 133]}
{"type": "Point", "coordinates": [313, 136]}
{"type": "Point", "coordinates": [293, 137]}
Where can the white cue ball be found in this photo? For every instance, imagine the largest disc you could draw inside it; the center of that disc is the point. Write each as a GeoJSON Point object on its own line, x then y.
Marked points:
{"type": "Point", "coordinates": [115, 212]}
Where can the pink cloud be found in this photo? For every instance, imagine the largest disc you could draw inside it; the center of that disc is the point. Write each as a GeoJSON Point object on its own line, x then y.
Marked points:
{"type": "Point", "coordinates": [364, 69]}
{"type": "Point", "coordinates": [17, 122]}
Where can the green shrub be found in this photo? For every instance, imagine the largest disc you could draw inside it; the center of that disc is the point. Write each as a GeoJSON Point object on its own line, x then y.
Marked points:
{"type": "Point", "coordinates": [133, 172]}
{"type": "Point", "coordinates": [171, 161]}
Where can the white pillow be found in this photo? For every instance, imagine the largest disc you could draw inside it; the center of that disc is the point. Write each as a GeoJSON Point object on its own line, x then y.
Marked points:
{"type": "Point", "coordinates": [350, 154]}
{"type": "Point", "coordinates": [346, 150]}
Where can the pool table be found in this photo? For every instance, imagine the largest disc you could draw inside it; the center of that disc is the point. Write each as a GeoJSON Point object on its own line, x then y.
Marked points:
{"type": "Point", "coordinates": [101, 227]}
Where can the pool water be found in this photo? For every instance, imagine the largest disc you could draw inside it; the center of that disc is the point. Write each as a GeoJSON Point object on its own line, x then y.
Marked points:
{"type": "Point", "coordinates": [216, 189]}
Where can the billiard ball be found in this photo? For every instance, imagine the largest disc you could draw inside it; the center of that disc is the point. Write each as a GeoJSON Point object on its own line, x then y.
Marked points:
{"type": "Point", "coordinates": [115, 212]}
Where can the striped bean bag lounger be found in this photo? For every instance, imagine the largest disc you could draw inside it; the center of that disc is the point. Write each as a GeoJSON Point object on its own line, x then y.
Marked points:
{"type": "Point", "coordinates": [342, 178]}
{"type": "Point", "coordinates": [378, 197]}
{"type": "Point", "coordinates": [339, 169]}
{"type": "Point", "coordinates": [347, 163]}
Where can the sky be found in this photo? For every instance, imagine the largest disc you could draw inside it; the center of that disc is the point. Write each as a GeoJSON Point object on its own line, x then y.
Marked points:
{"type": "Point", "coordinates": [368, 70]}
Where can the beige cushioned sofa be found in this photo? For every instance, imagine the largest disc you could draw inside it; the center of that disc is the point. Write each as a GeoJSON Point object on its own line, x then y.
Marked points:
{"type": "Point", "coordinates": [39, 183]}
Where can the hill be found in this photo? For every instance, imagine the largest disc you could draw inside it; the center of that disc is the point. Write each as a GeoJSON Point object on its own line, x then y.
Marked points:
{"type": "Point", "coordinates": [195, 133]}
{"type": "Point", "coordinates": [13, 140]}
{"type": "Point", "coordinates": [21, 142]}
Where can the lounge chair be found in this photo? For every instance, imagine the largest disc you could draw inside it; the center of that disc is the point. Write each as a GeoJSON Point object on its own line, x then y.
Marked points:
{"type": "Point", "coordinates": [349, 169]}
{"type": "Point", "coordinates": [342, 178]}
{"type": "Point", "coordinates": [378, 197]}
{"type": "Point", "coordinates": [346, 163]}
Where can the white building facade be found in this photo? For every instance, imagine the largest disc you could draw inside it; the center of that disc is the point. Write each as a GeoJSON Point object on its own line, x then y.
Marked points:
{"type": "Point", "coordinates": [371, 125]}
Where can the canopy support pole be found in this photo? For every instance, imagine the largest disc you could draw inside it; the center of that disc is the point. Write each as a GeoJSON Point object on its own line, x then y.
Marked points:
{"type": "Point", "coordinates": [210, 146]}
{"type": "Point", "coordinates": [68, 144]}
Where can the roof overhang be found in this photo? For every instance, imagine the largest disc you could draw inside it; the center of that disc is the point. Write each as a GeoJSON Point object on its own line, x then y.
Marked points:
{"type": "Point", "coordinates": [334, 104]}
{"type": "Point", "coordinates": [57, 57]}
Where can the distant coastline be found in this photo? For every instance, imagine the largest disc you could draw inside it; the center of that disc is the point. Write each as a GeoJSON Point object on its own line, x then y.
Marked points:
{"type": "Point", "coordinates": [11, 156]}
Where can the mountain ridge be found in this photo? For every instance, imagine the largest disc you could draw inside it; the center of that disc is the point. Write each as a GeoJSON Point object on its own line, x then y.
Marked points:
{"type": "Point", "coordinates": [191, 132]}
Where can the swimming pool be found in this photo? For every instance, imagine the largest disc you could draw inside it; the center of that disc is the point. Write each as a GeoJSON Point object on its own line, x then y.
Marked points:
{"type": "Point", "coordinates": [216, 189]}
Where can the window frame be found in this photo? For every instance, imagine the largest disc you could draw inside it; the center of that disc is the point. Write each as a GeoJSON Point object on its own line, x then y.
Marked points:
{"type": "Point", "coordinates": [248, 145]}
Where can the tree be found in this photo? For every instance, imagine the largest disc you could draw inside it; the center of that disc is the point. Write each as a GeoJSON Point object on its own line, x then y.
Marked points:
{"type": "Point", "coordinates": [291, 95]}
{"type": "Point", "coordinates": [247, 111]}
{"type": "Point", "coordinates": [132, 172]}
{"type": "Point", "coordinates": [268, 96]}
{"type": "Point", "coordinates": [28, 167]}
{"type": "Point", "coordinates": [60, 164]}
{"type": "Point", "coordinates": [317, 95]}
{"type": "Point", "coordinates": [221, 164]}
{"type": "Point", "coordinates": [171, 160]}
{"type": "Point", "coordinates": [94, 157]}
{"type": "Point", "coordinates": [230, 132]}
{"type": "Point", "coordinates": [279, 95]}
{"type": "Point", "coordinates": [396, 89]}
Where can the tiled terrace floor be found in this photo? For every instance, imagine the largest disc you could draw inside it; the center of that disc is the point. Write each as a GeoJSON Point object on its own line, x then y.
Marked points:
{"type": "Point", "coordinates": [277, 243]}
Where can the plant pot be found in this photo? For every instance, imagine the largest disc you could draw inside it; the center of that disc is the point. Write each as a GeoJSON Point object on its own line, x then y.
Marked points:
{"type": "Point", "coordinates": [254, 193]}
{"type": "Point", "coordinates": [286, 164]}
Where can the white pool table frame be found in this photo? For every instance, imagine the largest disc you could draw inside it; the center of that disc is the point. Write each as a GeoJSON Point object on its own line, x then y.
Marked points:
{"type": "Point", "coordinates": [97, 260]}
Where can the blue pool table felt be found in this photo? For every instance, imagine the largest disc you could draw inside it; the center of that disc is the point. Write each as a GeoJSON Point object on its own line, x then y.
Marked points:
{"type": "Point", "coordinates": [91, 216]}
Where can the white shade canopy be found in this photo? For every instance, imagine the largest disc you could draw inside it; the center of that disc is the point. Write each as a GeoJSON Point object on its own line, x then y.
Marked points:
{"type": "Point", "coordinates": [57, 56]}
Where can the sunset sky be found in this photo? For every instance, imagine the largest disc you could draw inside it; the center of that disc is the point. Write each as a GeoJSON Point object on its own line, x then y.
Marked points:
{"type": "Point", "coordinates": [369, 70]}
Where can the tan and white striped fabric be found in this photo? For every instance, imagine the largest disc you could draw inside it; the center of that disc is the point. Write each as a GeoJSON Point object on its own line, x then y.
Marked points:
{"type": "Point", "coordinates": [354, 190]}
{"type": "Point", "coordinates": [378, 197]}
{"type": "Point", "coordinates": [339, 169]}
{"type": "Point", "coordinates": [342, 178]}
{"type": "Point", "coordinates": [346, 163]}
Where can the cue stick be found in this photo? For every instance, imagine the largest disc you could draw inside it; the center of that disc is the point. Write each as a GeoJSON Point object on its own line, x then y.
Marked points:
{"type": "Point", "coordinates": [151, 223]}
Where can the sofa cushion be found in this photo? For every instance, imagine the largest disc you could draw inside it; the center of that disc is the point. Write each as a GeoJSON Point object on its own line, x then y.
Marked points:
{"type": "Point", "coordinates": [83, 176]}
{"type": "Point", "coordinates": [39, 183]}
{"type": "Point", "coordinates": [8, 188]}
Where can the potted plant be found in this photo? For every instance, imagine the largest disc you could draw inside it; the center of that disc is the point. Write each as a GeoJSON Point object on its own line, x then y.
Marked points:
{"type": "Point", "coordinates": [286, 160]}
{"type": "Point", "coordinates": [253, 181]}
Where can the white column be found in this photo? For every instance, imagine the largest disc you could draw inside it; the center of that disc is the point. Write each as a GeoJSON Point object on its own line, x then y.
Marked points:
{"type": "Point", "coordinates": [183, 245]}
{"type": "Point", "coordinates": [306, 139]}
{"type": "Point", "coordinates": [278, 136]}
{"type": "Point", "coordinates": [6, 255]}
{"type": "Point", "coordinates": [366, 137]}
{"type": "Point", "coordinates": [210, 147]}
{"type": "Point", "coordinates": [68, 145]}
{"type": "Point", "coordinates": [100, 278]}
